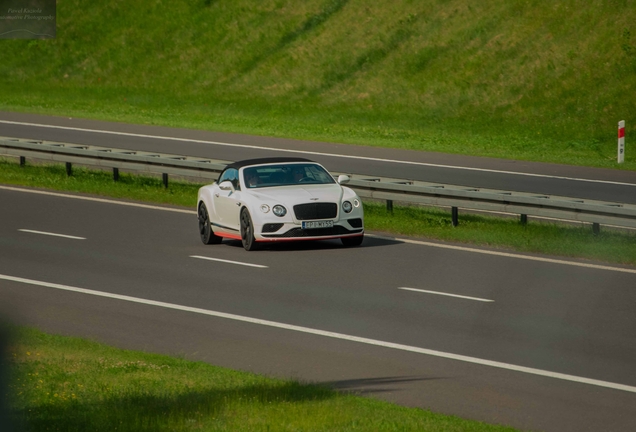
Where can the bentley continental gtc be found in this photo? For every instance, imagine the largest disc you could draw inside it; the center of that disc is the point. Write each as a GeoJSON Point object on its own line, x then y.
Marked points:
{"type": "Point", "coordinates": [279, 199]}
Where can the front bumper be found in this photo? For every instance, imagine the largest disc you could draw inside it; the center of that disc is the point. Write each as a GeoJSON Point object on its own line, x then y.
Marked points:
{"type": "Point", "coordinates": [292, 231]}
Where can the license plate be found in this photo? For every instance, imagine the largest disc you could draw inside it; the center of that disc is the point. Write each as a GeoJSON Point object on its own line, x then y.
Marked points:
{"type": "Point", "coordinates": [317, 224]}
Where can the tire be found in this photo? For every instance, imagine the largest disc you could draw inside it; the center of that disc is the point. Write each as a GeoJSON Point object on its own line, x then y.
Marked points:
{"type": "Point", "coordinates": [247, 231]}
{"type": "Point", "coordinates": [205, 227]}
{"type": "Point", "coordinates": [352, 241]}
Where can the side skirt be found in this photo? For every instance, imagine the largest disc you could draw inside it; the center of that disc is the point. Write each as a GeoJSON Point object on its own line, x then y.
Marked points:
{"type": "Point", "coordinates": [225, 232]}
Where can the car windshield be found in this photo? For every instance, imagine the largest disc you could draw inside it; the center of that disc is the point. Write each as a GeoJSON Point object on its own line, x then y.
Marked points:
{"type": "Point", "coordinates": [285, 175]}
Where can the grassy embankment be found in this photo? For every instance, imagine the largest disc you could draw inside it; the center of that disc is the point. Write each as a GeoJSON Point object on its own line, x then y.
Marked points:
{"type": "Point", "coordinates": [535, 237]}
{"type": "Point", "coordinates": [70, 384]}
{"type": "Point", "coordinates": [543, 81]}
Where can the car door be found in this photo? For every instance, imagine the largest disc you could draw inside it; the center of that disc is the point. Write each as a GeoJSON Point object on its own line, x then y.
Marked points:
{"type": "Point", "coordinates": [226, 202]}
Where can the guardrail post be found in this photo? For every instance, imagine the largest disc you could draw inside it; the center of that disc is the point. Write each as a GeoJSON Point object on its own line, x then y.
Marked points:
{"type": "Point", "coordinates": [22, 161]}
{"type": "Point", "coordinates": [69, 169]}
{"type": "Point", "coordinates": [389, 206]}
{"type": "Point", "coordinates": [596, 228]}
{"type": "Point", "coordinates": [455, 216]}
{"type": "Point", "coordinates": [523, 219]}
{"type": "Point", "coordinates": [165, 179]}
{"type": "Point", "coordinates": [116, 174]}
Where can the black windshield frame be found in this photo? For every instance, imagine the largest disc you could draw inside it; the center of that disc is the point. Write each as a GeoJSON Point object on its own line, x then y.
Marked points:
{"type": "Point", "coordinates": [279, 175]}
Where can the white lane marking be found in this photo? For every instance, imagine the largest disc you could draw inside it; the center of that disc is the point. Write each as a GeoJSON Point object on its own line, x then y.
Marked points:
{"type": "Point", "coordinates": [341, 336]}
{"type": "Point", "coordinates": [52, 234]}
{"type": "Point", "coordinates": [228, 261]}
{"type": "Point", "coordinates": [418, 242]}
{"type": "Point", "coordinates": [167, 138]}
{"type": "Point", "coordinates": [509, 255]}
{"type": "Point", "coordinates": [102, 200]}
{"type": "Point", "coordinates": [446, 294]}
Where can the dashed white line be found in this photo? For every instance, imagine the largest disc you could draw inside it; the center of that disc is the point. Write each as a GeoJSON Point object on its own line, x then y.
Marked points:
{"type": "Point", "coordinates": [341, 336]}
{"type": "Point", "coordinates": [397, 161]}
{"type": "Point", "coordinates": [52, 234]}
{"type": "Point", "coordinates": [228, 261]}
{"type": "Point", "coordinates": [446, 294]}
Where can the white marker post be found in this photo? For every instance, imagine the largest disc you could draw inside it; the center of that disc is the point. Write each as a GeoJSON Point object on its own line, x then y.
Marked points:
{"type": "Point", "coordinates": [621, 141]}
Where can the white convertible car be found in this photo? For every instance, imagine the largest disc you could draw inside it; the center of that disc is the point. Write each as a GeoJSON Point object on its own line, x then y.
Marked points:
{"type": "Point", "coordinates": [279, 199]}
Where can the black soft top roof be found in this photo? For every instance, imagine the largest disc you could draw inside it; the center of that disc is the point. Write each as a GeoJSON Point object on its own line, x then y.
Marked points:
{"type": "Point", "coordinates": [261, 161]}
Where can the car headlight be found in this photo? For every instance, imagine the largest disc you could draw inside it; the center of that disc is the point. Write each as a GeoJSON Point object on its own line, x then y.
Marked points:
{"type": "Point", "coordinates": [356, 203]}
{"type": "Point", "coordinates": [347, 207]}
{"type": "Point", "coordinates": [264, 208]}
{"type": "Point", "coordinates": [279, 210]}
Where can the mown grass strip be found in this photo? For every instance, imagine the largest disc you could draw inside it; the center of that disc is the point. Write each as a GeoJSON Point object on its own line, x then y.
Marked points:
{"type": "Point", "coordinates": [535, 237]}
{"type": "Point", "coordinates": [70, 384]}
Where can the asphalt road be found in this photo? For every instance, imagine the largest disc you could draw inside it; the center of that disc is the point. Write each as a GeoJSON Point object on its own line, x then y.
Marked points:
{"type": "Point", "coordinates": [533, 343]}
{"type": "Point", "coordinates": [563, 180]}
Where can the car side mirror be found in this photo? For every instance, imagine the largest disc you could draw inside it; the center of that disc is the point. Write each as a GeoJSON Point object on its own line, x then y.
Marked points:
{"type": "Point", "coordinates": [342, 179]}
{"type": "Point", "coordinates": [226, 186]}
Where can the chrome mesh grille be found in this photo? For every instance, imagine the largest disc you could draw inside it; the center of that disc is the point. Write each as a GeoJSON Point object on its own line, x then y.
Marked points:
{"type": "Point", "coordinates": [316, 211]}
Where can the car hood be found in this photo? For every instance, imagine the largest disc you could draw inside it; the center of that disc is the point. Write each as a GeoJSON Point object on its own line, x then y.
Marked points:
{"type": "Point", "coordinates": [292, 195]}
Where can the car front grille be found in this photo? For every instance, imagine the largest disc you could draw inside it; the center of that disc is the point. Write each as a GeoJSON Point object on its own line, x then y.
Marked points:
{"type": "Point", "coordinates": [316, 211]}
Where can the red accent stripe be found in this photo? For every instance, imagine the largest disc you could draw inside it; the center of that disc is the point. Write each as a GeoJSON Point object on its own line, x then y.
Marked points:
{"type": "Point", "coordinates": [621, 133]}
{"type": "Point", "coordinates": [230, 236]}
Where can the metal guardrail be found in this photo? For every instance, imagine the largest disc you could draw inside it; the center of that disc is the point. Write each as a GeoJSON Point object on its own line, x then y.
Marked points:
{"type": "Point", "coordinates": [524, 204]}
{"type": "Point", "coordinates": [381, 188]}
{"type": "Point", "coordinates": [137, 161]}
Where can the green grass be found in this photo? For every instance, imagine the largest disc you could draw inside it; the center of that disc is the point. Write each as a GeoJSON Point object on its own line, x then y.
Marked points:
{"type": "Point", "coordinates": [515, 79]}
{"type": "Point", "coordinates": [98, 182]}
{"type": "Point", "coordinates": [507, 234]}
{"type": "Point", "coordinates": [504, 233]}
{"type": "Point", "coordinates": [70, 384]}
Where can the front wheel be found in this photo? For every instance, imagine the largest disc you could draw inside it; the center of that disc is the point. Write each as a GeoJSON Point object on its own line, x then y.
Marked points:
{"type": "Point", "coordinates": [205, 227]}
{"type": "Point", "coordinates": [247, 232]}
{"type": "Point", "coordinates": [352, 241]}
